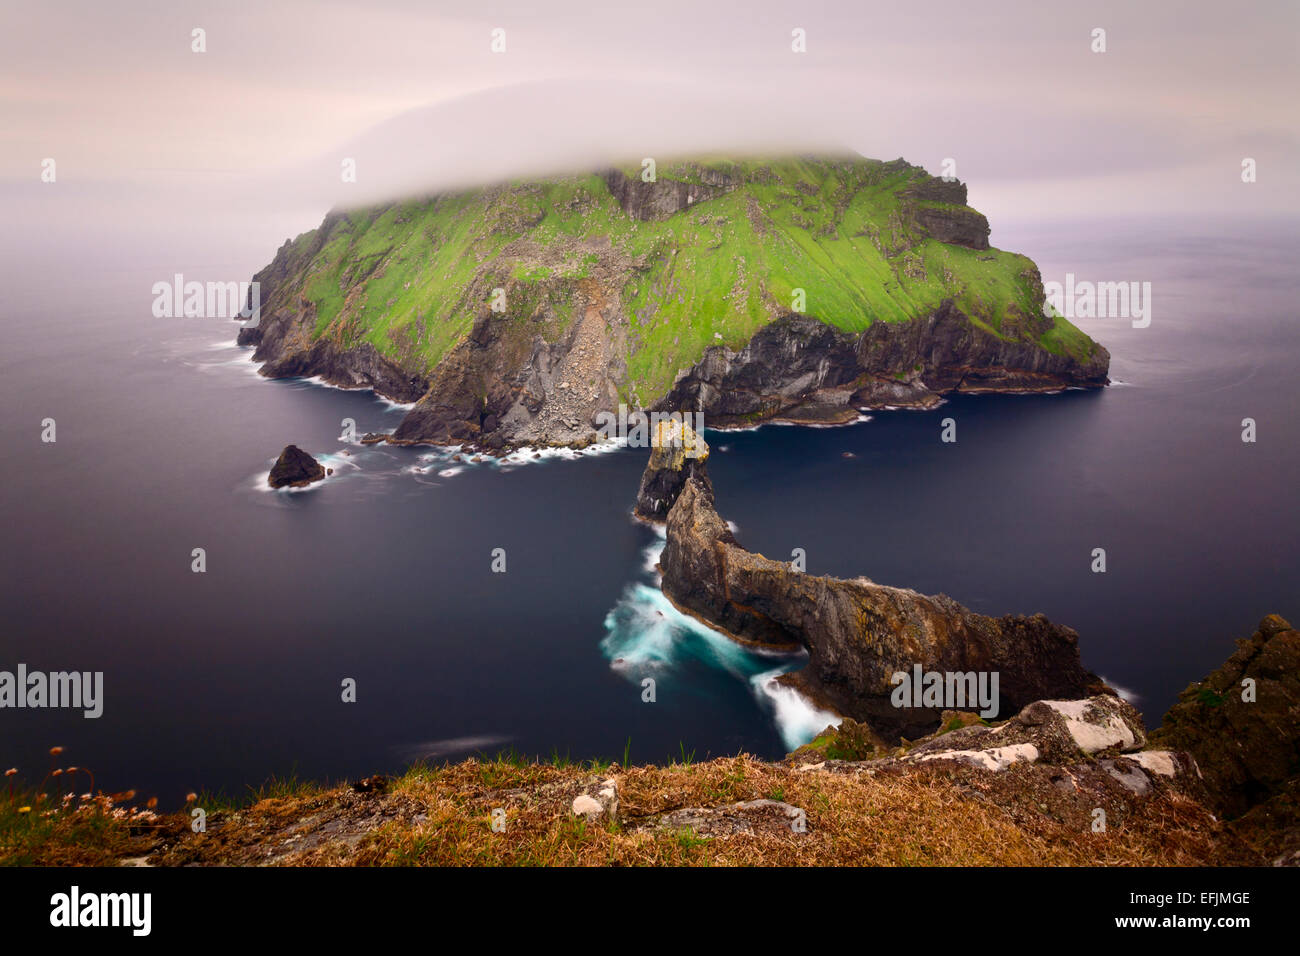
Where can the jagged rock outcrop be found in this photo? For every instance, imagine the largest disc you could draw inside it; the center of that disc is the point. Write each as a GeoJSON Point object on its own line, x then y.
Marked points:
{"type": "Point", "coordinates": [1242, 725]}
{"type": "Point", "coordinates": [649, 201]}
{"type": "Point", "coordinates": [677, 454]}
{"type": "Point", "coordinates": [859, 634]}
{"type": "Point", "coordinates": [941, 212]}
{"type": "Point", "coordinates": [294, 469]}
{"type": "Point", "coordinates": [1056, 731]}
{"type": "Point", "coordinates": [1078, 762]}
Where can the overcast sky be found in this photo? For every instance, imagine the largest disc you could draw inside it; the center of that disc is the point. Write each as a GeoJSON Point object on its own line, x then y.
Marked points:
{"type": "Point", "coordinates": [1039, 125]}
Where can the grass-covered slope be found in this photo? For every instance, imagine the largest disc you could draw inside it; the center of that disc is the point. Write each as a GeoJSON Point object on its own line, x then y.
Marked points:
{"type": "Point", "coordinates": [861, 238]}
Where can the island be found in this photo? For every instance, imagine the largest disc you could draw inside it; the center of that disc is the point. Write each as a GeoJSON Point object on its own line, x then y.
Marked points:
{"type": "Point", "coordinates": [802, 289]}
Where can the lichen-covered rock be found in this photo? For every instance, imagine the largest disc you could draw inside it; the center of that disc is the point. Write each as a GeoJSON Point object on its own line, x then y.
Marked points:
{"type": "Point", "coordinates": [747, 818]}
{"type": "Point", "coordinates": [598, 801]}
{"type": "Point", "coordinates": [677, 453]}
{"type": "Point", "coordinates": [1055, 731]}
{"type": "Point", "coordinates": [1247, 749]}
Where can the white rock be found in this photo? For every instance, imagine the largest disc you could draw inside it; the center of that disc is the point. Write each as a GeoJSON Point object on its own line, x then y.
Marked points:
{"type": "Point", "coordinates": [1091, 737]}
{"type": "Point", "coordinates": [998, 758]}
{"type": "Point", "coordinates": [1156, 761]}
{"type": "Point", "coordinates": [585, 806]}
{"type": "Point", "coordinates": [1131, 777]}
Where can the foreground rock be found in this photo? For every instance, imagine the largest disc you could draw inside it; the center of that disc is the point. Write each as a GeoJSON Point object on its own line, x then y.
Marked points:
{"type": "Point", "coordinates": [859, 634]}
{"type": "Point", "coordinates": [1242, 725]}
{"type": "Point", "coordinates": [295, 469]}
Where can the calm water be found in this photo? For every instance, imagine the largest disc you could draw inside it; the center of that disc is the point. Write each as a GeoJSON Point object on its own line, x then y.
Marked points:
{"type": "Point", "coordinates": [222, 679]}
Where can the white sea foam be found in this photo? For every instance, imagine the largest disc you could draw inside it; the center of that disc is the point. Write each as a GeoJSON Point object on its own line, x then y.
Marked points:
{"type": "Point", "coordinates": [914, 408]}
{"type": "Point", "coordinates": [382, 400]}
{"type": "Point", "coordinates": [342, 466]}
{"type": "Point", "coordinates": [646, 635]}
{"type": "Point", "coordinates": [259, 483]}
{"type": "Point", "coordinates": [650, 557]}
{"type": "Point", "coordinates": [798, 718]}
{"type": "Point", "coordinates": [1131, 696]}
{"type": "Point", "coordinates": [442, 458]}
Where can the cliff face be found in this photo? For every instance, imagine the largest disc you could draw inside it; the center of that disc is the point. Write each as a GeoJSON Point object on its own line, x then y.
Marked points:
{"type": "Point", "coordinates": [859, 634]}
{"type": "Point", "coordinates": [800, 369]}
{"type": "Point", "coordinates": [1242, 724]}
{"type": "Point", "coordinates": [792, 287]}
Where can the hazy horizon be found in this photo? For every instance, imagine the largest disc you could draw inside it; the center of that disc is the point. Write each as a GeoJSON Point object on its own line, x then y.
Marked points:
{"type": "Point", "coordinates": [249, 136]}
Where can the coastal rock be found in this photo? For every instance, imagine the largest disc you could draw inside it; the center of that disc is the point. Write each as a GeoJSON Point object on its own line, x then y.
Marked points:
{"type": "Point", "coordinates": [1248, 749]}
{"type": "Point", "coordinates": [1241, 723]}
{"type": "Point", "coordinates": [677, 454]}
{"type": "Point", "coordinates": [800, 369]}
{"type": "Point", "coordinates": [859, 634]}
{"type": "Point", "coordinates": [294, 469]}
{"type": "Point", "coordinates": [1056, 731]}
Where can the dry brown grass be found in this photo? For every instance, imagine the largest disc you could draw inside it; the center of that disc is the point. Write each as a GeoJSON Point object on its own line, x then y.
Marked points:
{"type": "Point", "coordinates": [856, 816]}
{"type": "Point", "coordinates": [922, 817]}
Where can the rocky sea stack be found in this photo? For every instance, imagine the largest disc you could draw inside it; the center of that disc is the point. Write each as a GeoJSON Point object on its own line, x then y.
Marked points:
{"type": "Point", "coordinates": [783, 288]}
{"type": "Point", "coordinates": [677, 454]}
{"type": "Point", "coordinates": [295, 469]}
